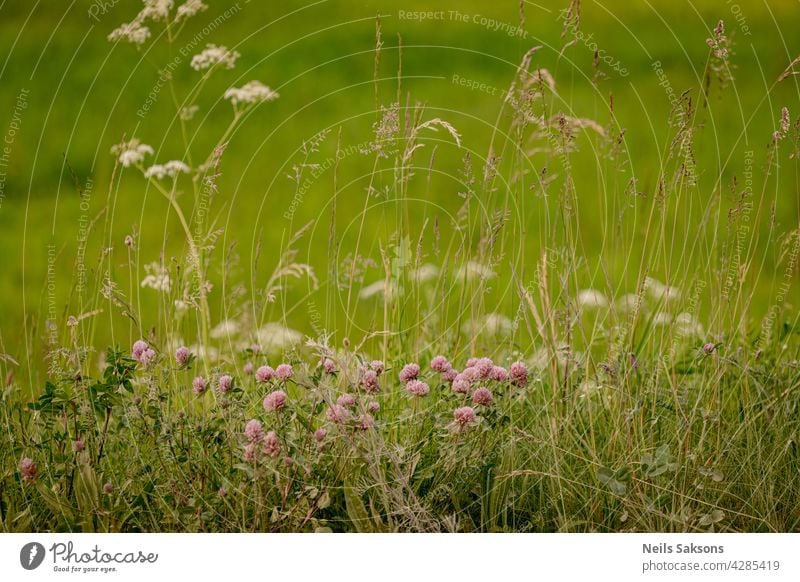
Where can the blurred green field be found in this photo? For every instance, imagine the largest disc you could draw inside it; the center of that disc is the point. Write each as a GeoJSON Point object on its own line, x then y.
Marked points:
{"type": "Point", "coordinates": [84, 94]}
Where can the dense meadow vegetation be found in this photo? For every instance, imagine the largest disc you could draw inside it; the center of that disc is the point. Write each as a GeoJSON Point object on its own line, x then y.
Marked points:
{"type": "Point", "coordinates": [329, 266]}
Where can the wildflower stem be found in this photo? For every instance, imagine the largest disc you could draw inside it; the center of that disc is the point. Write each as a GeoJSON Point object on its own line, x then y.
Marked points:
{"type": "Point", "coordinates": [196, 260]}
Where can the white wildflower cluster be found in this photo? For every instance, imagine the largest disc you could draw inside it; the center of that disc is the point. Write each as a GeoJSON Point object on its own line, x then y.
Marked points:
{"type": "Point", "coordinates": [131, 153]}
{"type": "Point", "coordinates": [137, 32]}
{"type": "Point", "coordinates": [658, 291]}
{"type": "Point", "coordinates": [157, 277]}
{"type": "Point", "coordinates": [686, 324]}
{"type": "Point", "coordinates": [475, 271]}
{"type": "Point", "coordinates": [134, 32]}
{"type": "Point", "coordinates": [188, 112]}
{"type": "Point", "coordinates": [189, 9]}
{"type": "Point", "coordinates": [214, 55]}
{"type": "Point", "coordinates": [156, 10]}
{"type": "Point", "coordinates": [425, 273]}
{"type": "Point", "coordinates": [251, 93]}
{"type": "Point", "coordinates": [225, 329]}
{"type": "Point", "coordinates": [170, 169]}
{"type": "Point", "coordinates": [181, 307]}
{"type": "Point", "coordinates": [591, 299]}
{"type": "Point", "coordinates": [275, 337]}
{"type": "Point", "coordinates": [379, 288]}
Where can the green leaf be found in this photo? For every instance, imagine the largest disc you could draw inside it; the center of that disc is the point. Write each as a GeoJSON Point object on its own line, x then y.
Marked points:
{"type": "Point", "coordinates": [709, 519]}
{"type": "Point", "coordinates": [356, 510]}
{"type": "Point", "coordinates": [659, 463]}
{"type": "Point", "coordinates": [607, 478]}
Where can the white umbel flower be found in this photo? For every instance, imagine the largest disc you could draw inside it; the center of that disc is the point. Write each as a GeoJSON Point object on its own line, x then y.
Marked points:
{"type": "Point", "coordinates": [181, 307]}
{"type": "Point", "coordinates": [188, 113]}
{"type": "Point", "coordinates": [170, 169]}
{"type": "Point", "coordinates": [687, 324]}
{"type": "Point", "coordinates": [426, 272]}
{"type": "Point", "coordinates": [591, 299]}
{"type": "Point", "coordinates": [378, 289]}
{"type": "Point", "coordinates": [207, 353]}
{"type": "Point", "coordinates": [275, 337]}
{"type": "Point", "coordinates": [225, 329]}
{"type": "Point", "coordinates": [251, 93]}
{"type": "Point", "coordinates": [662, 319]}
{"type": "Point", "coordinates": [626, 303]}
{"type": "Point", "coordinates": [189, 9]}
{"type": "Point", "coordinates": [131, 152]}
{"type": "Point", "coordinates": [658, 291]}
{"type": "Point", "coordinates": [475, 270]}
{"type": "Point", "coordinates": [134, 32]}
{"type": "Point", "coordinates": [156, 10]}
{"type": "Point", "coordinates": [157, 277]}
{"type": "Point", "coordinates": [214, 55]}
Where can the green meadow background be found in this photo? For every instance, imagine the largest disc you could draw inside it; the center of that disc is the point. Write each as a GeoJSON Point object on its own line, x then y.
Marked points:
{"type": "Point", "coordinates": [83, 94]}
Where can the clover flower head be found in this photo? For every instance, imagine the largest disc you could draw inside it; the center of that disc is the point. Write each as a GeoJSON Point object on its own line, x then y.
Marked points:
{"type": "Point", "coordinates": [264, 374]}
{"type": "Point", "coordinates": [199, 385]}
{"type": "Point", "coordinates": [28, 469]}
{"type": "Point", "coordinates": [409, 372]}
{"type": "Point", "coordinates": [369, 381]}
{"type": "Point", "coordinates": [519, 374]}
{"type": "Point", "coordinates": [484, 367]}
{"type": "Point", "coordinates": [461, 384]}
{"type": "Point", "coordinates": [483, 397]}
{"type": "Point", "coordinates": [471, 373]}
{"type": "Point", "coordinates": [337, 414]}
{"type": "Point", "coordinates": [464, 415]}
{"type": "Point", "coordinates": [225, 384]}
{"type": "Point", "coordinates": [275, 400]}
{"type": "Point", "coordinates": [284, 372]}
{"type": "Point", "coordinates": [182, 356]}
{"type": "Point", "coordinates": [346, 400]}
{"type": "Point", "coordinates": [138, 349]}
{"type": "Point", "coordinates": [251, 452]}
{"type": "Point", "coordinates": [253, 431]}
{"type": "Point", "coordinates": [271, 444]}
{"type": "Point", "coordinates": [417, 388]}
{"type": "Point", "coordinates": [329, 366]}
{"type": "Point", "coordinates": [499, 374]}
{"type": "Point", "coordinates": [440, 364]}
